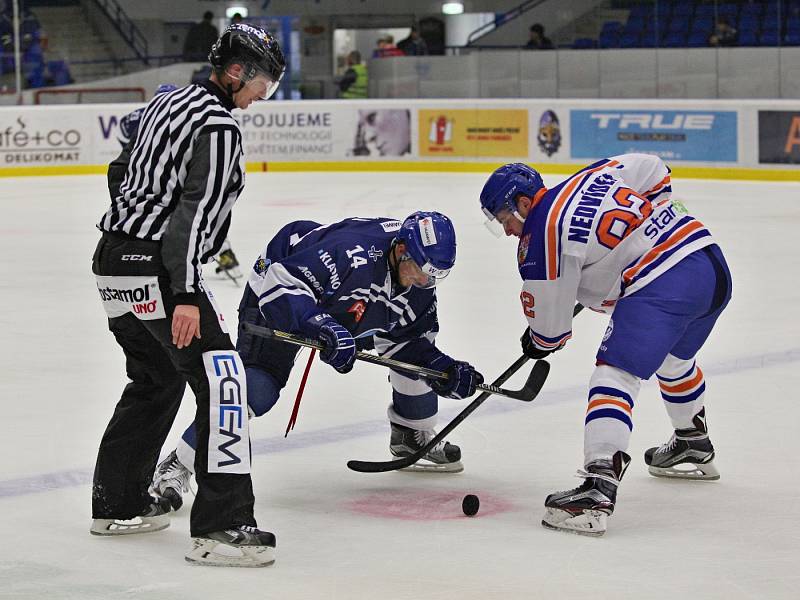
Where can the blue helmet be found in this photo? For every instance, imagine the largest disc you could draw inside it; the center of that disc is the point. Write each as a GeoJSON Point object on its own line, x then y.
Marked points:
{"type": "Point", "coordinates": [505, 184]}
{"type": "Point", "coordinates": [165, 88]}
{"type": "Point", "coordinates": [431, 242]}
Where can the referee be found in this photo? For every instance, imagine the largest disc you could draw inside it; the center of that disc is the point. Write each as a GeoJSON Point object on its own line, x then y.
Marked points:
{"type": "Point", "coordinates": [169, 213]}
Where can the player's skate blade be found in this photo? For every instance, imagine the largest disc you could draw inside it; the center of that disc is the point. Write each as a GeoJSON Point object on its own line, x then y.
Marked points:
{"type": "Point", "coordinates": [442, 458]}
{"type": "Point", "coordinates": [155, 518]}
{"type": "Point", "coordinates": [591, 523]}
{"type": "Point", "coordinates": [688, 454]}
{"type": "Point", "coordinates": [700, 471]}
{"type": "Point", "coordinates": [424, 466]}
{"type": "Point", "coordinates": [240, 547]}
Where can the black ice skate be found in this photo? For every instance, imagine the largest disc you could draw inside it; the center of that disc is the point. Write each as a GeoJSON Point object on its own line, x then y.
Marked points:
{"type": "Point", "coordinates": [154, 518]}
{"type": "Point", "coordinates": [171, 480]}
{"type": "Point", "coordinates": [444, 457]}
{"type": "Point", "coordinates": [688, 454]}
{"type": "Point", "coordinates": [241, 546]}
{"type": "Point", "coordinates": [227, 265]}
{"type": "Point", "coordinates": [585, 509]}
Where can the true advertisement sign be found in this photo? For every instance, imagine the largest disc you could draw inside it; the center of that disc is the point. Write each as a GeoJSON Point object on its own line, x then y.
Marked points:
{"type": "Point", "coordinates": [687, 135]}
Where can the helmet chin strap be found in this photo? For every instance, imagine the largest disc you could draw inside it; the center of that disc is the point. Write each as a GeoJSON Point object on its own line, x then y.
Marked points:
{"type": "Point", "coordinates": [394, 269]}
{"type": "Point", "coordinates": [230, 91]}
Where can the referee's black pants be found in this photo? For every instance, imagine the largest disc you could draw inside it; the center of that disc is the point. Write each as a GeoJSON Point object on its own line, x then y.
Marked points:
{"type": "Point", "coordinates": [144, 415]}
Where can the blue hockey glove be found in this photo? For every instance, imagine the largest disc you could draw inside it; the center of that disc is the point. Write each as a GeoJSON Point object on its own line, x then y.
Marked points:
{"type": "Point", "coordinates": [462, 378]}
{"type": "Point", "coordinates": [530, 350]}
{"type": "Point", "coordinates": [340, 347]}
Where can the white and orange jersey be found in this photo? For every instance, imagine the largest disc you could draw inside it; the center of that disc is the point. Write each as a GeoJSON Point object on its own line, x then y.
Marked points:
{"type": "Point", "coordinates": [602, 234]}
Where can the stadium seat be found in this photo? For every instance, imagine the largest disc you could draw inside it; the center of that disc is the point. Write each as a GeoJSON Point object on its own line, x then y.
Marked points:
{"type": "Point", "coordinates": [59, 72]}
{"type": "Point", "coordinates": [641, 11]}
{"type": "Point", "coordinates": [792, 38]}
{"type": "Point", "coordinates": [704, 11]}
{"type": "Point", "coordinates": [729, 11]}
{"type": "Point", "coordinates": [769, 38]}
{"type": "Point", "coordinates": [748, 38]}
{"type": "Point", "coordinates": [675, 39]}
{"type": "Point", "coordinates": [703, 24]}
{"type": "Point", "coordinates": [629, 40]}
{"type": "Point", "coordinates": [609, 39]}
{"type": "Point", "coordinates": [698, 39]}
{"type": "Point", "coordinates": [583, 44]}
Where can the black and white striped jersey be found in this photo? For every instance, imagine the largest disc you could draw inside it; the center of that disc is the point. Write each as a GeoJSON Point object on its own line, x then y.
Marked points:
{"type": "Point", "coordinates": [182, 175]}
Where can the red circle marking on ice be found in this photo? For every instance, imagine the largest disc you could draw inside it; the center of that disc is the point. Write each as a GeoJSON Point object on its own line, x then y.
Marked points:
{"type": "Point", "coordinates": [425, 505]}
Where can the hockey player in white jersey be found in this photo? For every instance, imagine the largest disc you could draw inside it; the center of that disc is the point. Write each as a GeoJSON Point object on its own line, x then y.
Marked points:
{"type": "Point", "coordinates": [611, 238]}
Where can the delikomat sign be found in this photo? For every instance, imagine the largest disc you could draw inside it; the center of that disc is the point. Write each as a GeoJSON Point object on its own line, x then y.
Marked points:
{"type": "Point", "coordinates": [708, 136]}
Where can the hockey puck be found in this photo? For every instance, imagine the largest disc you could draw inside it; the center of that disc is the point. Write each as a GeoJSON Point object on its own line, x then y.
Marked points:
{"type": "Point", "coordinates": [470, 505]}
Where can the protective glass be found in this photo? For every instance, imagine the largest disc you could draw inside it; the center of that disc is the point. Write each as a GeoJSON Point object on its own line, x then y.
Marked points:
{"type": "Point", "coordinates": [428, 272]}
{"type": "Point", "coordinates": [262, 85]}
{"type": "Point", "coordinates": [495, 223]}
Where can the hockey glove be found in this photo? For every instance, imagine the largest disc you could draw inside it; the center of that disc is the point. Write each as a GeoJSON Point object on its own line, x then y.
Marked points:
{"type": "Point", "coordinates": [340, 347]}
{"type": "Point", "coordinates": [530, 350]}
{"type": "Point", "coordinates": [461, 378]}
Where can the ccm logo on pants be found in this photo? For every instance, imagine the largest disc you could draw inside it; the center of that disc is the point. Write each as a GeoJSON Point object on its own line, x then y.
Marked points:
{"type": "Point", "coordinates": [229, 437]}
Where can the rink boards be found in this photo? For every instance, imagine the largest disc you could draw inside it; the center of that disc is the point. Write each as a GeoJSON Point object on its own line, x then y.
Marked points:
{"type": "Point", "coordinates": [742, 139]}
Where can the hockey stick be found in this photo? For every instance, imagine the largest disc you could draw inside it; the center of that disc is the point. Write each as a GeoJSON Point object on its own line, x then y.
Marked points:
{"type": "Point", "coordinates": [525, 394]}
{"type": "Point", "coordinates": [535, 382]}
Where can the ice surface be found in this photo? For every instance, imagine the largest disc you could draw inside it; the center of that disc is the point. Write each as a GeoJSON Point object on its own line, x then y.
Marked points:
{"type": "Point", "coordinates": [345, 535]}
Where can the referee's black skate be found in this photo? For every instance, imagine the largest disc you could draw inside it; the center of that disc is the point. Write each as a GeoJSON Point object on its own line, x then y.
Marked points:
{"type": "Point", "coordinates": [242, 546]}
{"type": "Point", "coordinates": [688, 454]}
{"type": "Point", "coordinates": [444, 457]}
{"type": "Point", "coordinates": [154, 518]}
{"type": "Point", "coordinates": [227, 263]}
{"type": "Point", "coordinates": [585, 509]}
{"type": "Point", "coordinates": [171, 480]}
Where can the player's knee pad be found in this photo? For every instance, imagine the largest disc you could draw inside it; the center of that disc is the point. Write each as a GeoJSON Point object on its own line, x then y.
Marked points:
{"type": "Point", "coordinates": [607, 376]}
{"type": "Point", "coordinates": [262, 391]}
{"type": "Point", "coordinates": [412, 399]}
{"type": "Point", "coordinates": [675, 368]}
{"type": "Point", "coordinates": [229, 437]}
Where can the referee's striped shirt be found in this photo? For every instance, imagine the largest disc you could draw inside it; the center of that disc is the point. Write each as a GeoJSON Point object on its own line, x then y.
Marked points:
{"type": "Point", "coordinates": [182, 175]}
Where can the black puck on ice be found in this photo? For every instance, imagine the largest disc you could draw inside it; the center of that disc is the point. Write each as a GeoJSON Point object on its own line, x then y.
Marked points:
{"type": "Point", "coordinates": [470, 505]}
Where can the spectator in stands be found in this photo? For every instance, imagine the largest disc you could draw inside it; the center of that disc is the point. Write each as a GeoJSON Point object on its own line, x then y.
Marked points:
{"type": "Point", "coordinates": [236, 18]}
{"type": "Point", "coordinates": [200, 38]}
{"type": "Point", "coordinates": [386, 47]}
{"type": "Point", "coordinates": [413, 45]}
{"type": "Point", "coordinates": [723, 34]}
{"type": "Point", "coordinates": [537, 39]}
{"type": "Point", "coordinates": [354, 82]}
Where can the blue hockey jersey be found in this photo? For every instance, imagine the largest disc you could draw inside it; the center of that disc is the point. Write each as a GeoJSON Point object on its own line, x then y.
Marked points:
{"type": "Point", "coordinates": [342, 269]}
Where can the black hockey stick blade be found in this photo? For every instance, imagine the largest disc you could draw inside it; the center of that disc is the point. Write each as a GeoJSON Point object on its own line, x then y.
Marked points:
{"type": "Point", "coordinates": [535, 382]}
{"type": "Point", "coordinates": [530, 390]}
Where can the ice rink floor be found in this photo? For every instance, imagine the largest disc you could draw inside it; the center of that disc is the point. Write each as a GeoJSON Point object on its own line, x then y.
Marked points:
{"type": "Point", "coordinates": [345, 535]}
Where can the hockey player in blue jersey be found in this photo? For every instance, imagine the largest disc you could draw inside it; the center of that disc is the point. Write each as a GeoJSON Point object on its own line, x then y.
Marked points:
{"type": "Point", "coordinates": [356, 284]}
{"type": "Point", "coordinates": [611, 238]}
